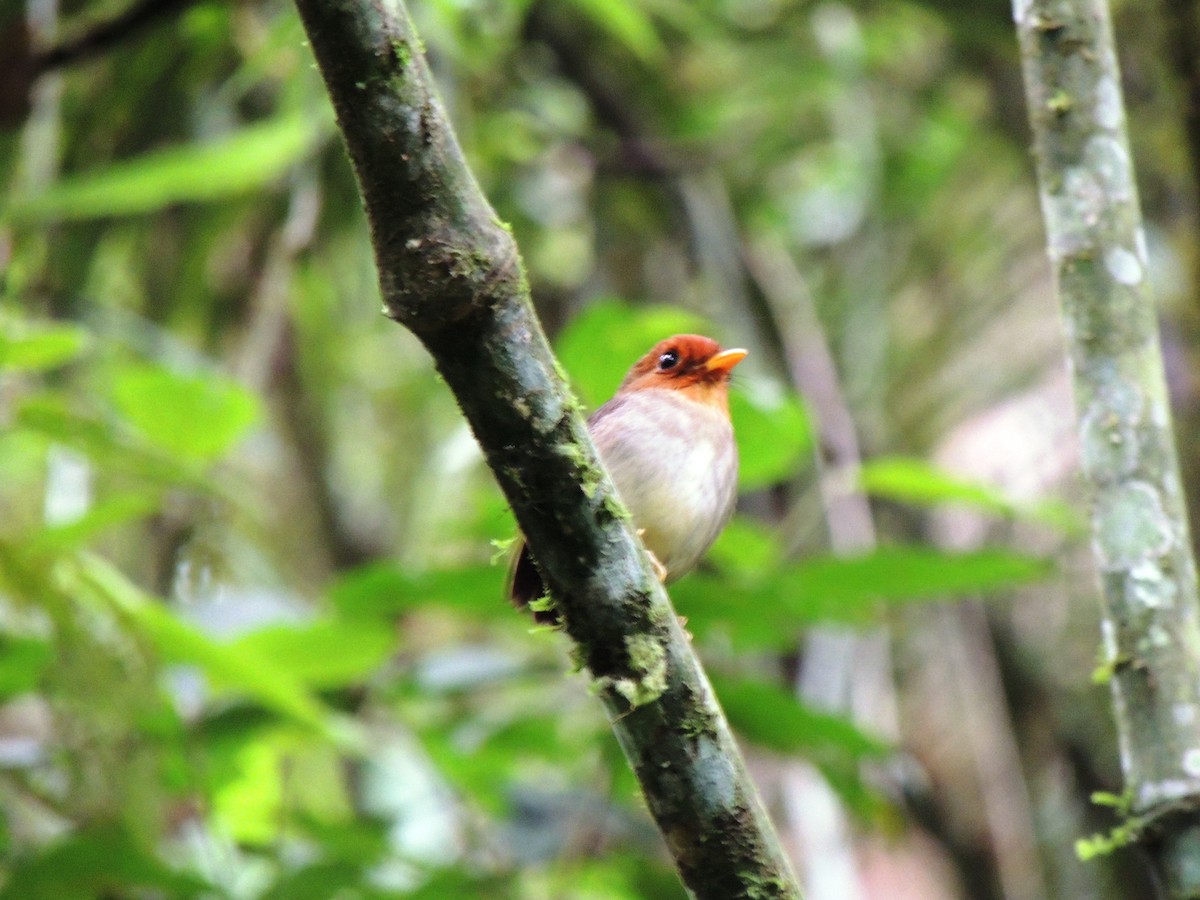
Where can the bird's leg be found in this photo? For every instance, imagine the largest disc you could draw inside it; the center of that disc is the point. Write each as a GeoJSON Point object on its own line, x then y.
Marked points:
{"type": "Point", "coordinates": [659, 569]}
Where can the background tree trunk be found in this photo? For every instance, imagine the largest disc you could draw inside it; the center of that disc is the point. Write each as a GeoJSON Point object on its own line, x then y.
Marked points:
{"type": "Point", "coordinates": [1140, 533]}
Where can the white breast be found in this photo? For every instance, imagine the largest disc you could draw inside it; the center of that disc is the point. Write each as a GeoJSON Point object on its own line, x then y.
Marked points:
{"type": "Point", "coordinates": [675, 467]}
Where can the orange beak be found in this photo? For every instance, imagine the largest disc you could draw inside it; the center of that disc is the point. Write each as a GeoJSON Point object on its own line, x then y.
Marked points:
{"type": "Point", "coordinates": [725, 360]}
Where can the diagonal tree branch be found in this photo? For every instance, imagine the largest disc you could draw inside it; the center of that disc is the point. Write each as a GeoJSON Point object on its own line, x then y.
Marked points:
{"type": "Point", "coordinates": [450, 272]}
{"type": "Point", "coordinates": [1140, 534]}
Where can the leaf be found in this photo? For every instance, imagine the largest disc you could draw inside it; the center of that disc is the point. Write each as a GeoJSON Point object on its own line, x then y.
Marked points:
{"type": "Point", "coordinates": [28, 346]}
{"type": "Point", "coordinates": [235, 164]}
{"type": "Point", "coordinates": [920, 483]}
{"type": "Point", "coordinates": [626, 22]}
{"type": "Point", "coordinates": [98, 861]}
{"type": "Point", "coordinates": [460, 883]}
{"type": "Point", "coordinates": [241, 669]}
{"type": "Point", "coordinates": [318, 881]}
{"type": "Point", "coordinates": [249, 803]}
{"type": "Point", "coordinates": [50, 416]}
{"type": "Point", "coordinates": [771, 717]}
{"type": "Point", "coordinates": [103, 515]}
{"type": "Point", "coordinates": [773, 432]}
{"type": "Point", "coordinates": [362, 840]}
{"type": "Point", "coordinates": [861, 798]}
{"type": "Point", "coordinates": [192, 417]}
{"type": "Point", "coordinates": [385, 591]}
{"type": "Point", "coordinates": [324, 654]}
{"type": "Point", "coordinates": [746, 546]}
{"type": "Point", "coordinates": [910, 573]}
{"type": "Point", "coordinates": [770, 609]}
{"type": "Point", "coordinates": [23, 660]}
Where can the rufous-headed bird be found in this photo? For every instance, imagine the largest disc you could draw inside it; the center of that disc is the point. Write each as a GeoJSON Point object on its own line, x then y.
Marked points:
{"type": "Point", "coordinates": [667, 440]}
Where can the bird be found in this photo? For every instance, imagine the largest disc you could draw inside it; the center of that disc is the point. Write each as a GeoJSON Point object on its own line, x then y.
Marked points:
{"type": "Point", "coordinates": [667, 441]}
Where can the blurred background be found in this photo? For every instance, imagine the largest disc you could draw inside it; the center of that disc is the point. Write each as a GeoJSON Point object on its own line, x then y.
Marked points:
{"type": "Point", "coordinates": [252, 636]}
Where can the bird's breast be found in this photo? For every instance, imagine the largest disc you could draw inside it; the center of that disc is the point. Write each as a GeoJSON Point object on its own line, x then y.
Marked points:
{"type": "Point", "coordinates": [674, 463]}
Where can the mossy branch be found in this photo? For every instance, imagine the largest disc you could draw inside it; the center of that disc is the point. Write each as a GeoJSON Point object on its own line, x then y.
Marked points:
{"type": "Point", "coordinates": [1140, 533]}
{"type": "Point", "coordinates": [449, 271]}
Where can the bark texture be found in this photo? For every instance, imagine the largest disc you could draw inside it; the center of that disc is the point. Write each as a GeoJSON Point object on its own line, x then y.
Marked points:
{"type": "Point", "coordinates": [1139, 521]}
{"type": "Point", "coordinates": [449, 271]}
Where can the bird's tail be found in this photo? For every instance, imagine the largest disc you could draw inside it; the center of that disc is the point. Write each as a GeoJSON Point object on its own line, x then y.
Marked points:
{"type": "Point", "coordinates": [524, 584]}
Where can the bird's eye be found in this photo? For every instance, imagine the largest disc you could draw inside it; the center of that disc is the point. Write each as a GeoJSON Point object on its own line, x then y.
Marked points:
{"type": "Point", "coordinates": [668, 360]}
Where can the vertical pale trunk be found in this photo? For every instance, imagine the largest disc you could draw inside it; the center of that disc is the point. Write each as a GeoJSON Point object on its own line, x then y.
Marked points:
{"type": "Point", "coordinates": [1139, 523]}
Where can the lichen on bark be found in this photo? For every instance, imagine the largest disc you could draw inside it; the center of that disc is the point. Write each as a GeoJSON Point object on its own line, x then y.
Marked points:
{"type": "Point", "coordinates": [1140, 532]}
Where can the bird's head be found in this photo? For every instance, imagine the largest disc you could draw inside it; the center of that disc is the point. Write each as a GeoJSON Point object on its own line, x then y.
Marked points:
{"type": "Point", "coordinates": [686, 362]}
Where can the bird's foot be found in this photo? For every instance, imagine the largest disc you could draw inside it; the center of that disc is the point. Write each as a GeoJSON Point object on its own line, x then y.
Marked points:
{"type": "Point", "coordinates": [683, 625]}
{"type": "Point", "coordinates": [659, 569]}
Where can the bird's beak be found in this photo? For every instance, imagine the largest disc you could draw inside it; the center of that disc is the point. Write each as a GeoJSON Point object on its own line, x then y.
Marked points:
{"type": "Point", "coordinates": [725, 360]}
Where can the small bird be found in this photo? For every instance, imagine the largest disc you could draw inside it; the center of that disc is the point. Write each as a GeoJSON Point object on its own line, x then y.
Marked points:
{"type": "Point", "coordinates": [667, 440]}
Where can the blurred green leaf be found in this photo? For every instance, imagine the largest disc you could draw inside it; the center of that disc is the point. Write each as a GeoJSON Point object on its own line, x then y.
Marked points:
{"type": "Point", "coordinates": [620, 874]}
{"type": "Point", "coordinates": [746, 546]}
{"type": "Point", "coordinates": [23, 660]}
{"type": "Point", "coordinates": [192, 417]}
{"type": "Point", "coordinates": [770, 610]}
{"type": "Point", "coordinates": [233, 165]}
{"type": "Point", "coordinates": [325, 654]}
{"type": "Point", "coordinates": [906, 573]}
{"type": "Point", "coordinates": [362, 840]}
{"type": "Point", "coordinates": [459, 883]}
{"type": "Point", "coordinates": [386, 590]}
{"type": "Point", "coordinates": [98, 861]}
{"type": "Point", "coordinates": [322, 881]}
{"type": "Point", "coordinates": [51, 416]}
{"type": "Point", "coordinates": [774, 718]}
{"type": "Point", "coordinates": [249, 801]}
{"type": "Point", "coordinates": [767, 715]}
{"type": "Point", "coordinates": [627, 22]}
{"type": "Point", "coordinates": [237, 668]}
{"type": "Point", "coordinates": [863, 799]}
{"type": "Point", "coordinates": [774, 434]}
{"type": "Point", "coordinates": [117, 510]}
{"type": "Point", "coordinates": [29, 346]}
{"type": "Point", "coordinates": [921, 483]}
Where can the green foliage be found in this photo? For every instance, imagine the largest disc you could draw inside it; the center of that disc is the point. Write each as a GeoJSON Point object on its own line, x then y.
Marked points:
{"type": "Point", "coordinates": [383, 591]}
{"type": "Point", "coordinates": [190, 417]}
{"type": "Point", "coordinates": [1127, 833]}
{"type": "Point", "coordinates": [238, 667]}
{"type": "Point", "coordinates": [194, 173]}
{"type": "Point", "coordinates": [628, 23]}
{"type": "Point", "coordinates": [25, 346]}
{"type": "Point", "coordinates": [96, 862]}
{"type": "Point", "coordinates": [23, 663]}
{"type": "Point", "coordinates": [249, 630]}
{"type": "Point", "coordinates": [324, 654]}
{"type": "Point", "coordinates": [917, 482]}
{"type": "Point", "coordinates": [774, 435]}
{"type": "Point", "coordinates": [768, 608]}
{"type": "Point", "coordinates": [767, 715]}
{"type": "Point", "coordinates": [1100, 845]}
